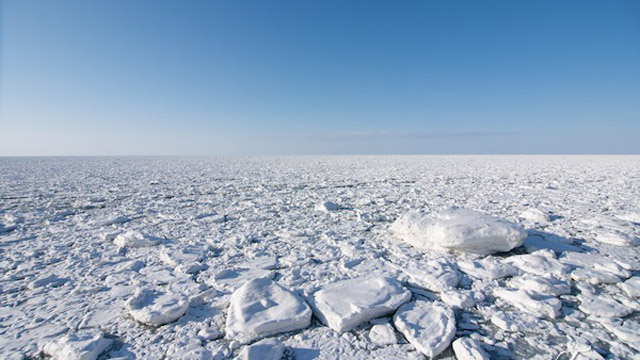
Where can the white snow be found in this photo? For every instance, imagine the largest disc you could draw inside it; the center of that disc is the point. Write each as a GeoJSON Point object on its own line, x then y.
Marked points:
{"type": "Point", "coordinates": [459, 230]}
{"type": "Point", "coordinates": [79, 346]}
{"type": "Point", "coordinates": [135, 239]}
{"type": "Point", "coordinates": [429, 326]}
{"type": "Point", "coordinates": [262, 307]}
{"type": "Point", "coordinates": [469, 349]}
{"type": "Point", "coordinates": [348, 303]}
{"type": "Point", "coordinates": [156, 308]}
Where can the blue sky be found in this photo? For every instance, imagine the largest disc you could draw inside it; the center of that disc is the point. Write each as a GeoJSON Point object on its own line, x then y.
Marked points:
{"type": "Point", "coordinates": [297, 77]}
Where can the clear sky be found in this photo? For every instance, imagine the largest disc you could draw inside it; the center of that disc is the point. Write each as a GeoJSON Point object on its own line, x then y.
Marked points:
{"type": "Point", "coordinates": [242, 77]}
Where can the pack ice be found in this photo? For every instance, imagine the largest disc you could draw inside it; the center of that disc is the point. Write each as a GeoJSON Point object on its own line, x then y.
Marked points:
{"type": "Point", "coordinates": [459, 230]}
{"type": "Point", "coordinates": [398, 257]}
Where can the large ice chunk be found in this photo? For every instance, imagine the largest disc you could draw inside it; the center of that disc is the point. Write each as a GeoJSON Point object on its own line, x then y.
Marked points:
{"type": "Point", "coordinates": [156, 308]}
{"type": "Point", "coordinates": [135, 239]}
{"type": "Point", "coordinates": [261, 308]}
{"type": "Point", "coordinates": [346, 304]}
{"type": "Point", "coordinates": [83, 346]}
{"type": "Point", "coordinates": [429, 326]}
{"type": "Point", "coordinates": [459, 230]}
{"type": "Point", "coordinates": [469, 349]}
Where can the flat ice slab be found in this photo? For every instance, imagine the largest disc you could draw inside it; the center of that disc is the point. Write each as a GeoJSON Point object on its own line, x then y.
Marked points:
{"type": "Point", "coordinates": [346, 304]}
{"type": "Point", "coordinates": [262, 307]}
{"type": "Point", "coordinates": [267, 349]}
{"type": "Point", "coordinates": [85, 346]}
{"type": "Point", "coordinates": [488, 268]}
{"type": "Point", "coordinates": [156, 308]}
{"type": "Point", "coordinates": [459, 230]}
{"type": "Point", "coordinates": [429, 326]}
{"type": "Point", "coordinates": [469, 349]}
{"type": "Point", "coordinates": [531, 302]}
{"type": "Point", "coordinates": [135, 239]}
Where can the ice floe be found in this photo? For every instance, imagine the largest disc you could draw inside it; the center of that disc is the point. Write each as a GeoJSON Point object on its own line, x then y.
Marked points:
{"type": "Point", "coordinates": [262, 307]}
{"type": "Point", "coordinates": [155, 308]}
{"type": "Point", "coordinates": [267, 349]}
{"type": "Point", "coordinates": [348, 303]}
{"type": "Point", "coordinates": [534, 303]}
{"type": "Point", "coordinates": [78, 346]}
{"type": "Point", "coordinates": [429, 326]}
{"type": "Point", "coordinates": [459, 230]}
{"type": "Point", "coordinates": [631, 287]}
{"type": "Point", "coordinates": [469, 349]}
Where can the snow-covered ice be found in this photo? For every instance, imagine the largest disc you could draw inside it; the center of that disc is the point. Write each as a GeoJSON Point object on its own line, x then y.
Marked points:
{"type": "Point", "coordinates": [156, 308]}
{"type": "Point", "coordinates": [429, 326]}
{"type": "Point", "coordinates": [468, 349]}
{"type": "Point", "coordinates": [81, 346]}
{"type": "Point", "coordinates": [262, 307]}
{"type": "Point", "coordinates": [459, 230]}
{"type": "Point", "coordinates": [135, 239]}
{"type": "Point", "coordinates": [79, 237]}
{"type": "Point", "coordinates": [348, 303]}
{"type": "Point", "coordinates": [267, 349]}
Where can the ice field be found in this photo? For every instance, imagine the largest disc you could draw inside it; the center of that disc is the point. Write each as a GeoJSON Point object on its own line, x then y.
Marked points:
{"type": "Point", "coordinates": [334, 257]}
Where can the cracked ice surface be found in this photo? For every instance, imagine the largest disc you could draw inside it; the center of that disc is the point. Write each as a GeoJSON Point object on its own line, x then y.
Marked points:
{"type": "Point", "coordinates": [79, 237]}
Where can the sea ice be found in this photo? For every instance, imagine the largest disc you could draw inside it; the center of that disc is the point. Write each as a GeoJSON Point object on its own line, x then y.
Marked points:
{"type": "Point", "coordinates": [174, 257]}
{"type": "Point", "coordinates": [461, 299]}
{"type": "Point", "coordinates": [469, 349]}
{"type": "Point", "coordinates": [544, 285]}
{"type": "Point", "coordinates": [429, 326]}
{"type": "Point", "coordinates": [616, 237]}
{"type": "Point", "coordinates": [631, 287]}
{"type": "Point", "coordinates": [459, 230]}
{"type": "Point", "coordinates": [262, 307]}
{"type": "Point", "coordinates": [602, 306]}
{"type": "Point", "coordinates": [535, 215]}
{"type": "Point", "coordinates": [267, 349]}
{"type": "Point", "coordinates": [80, 346]}
{"type": "Point", "coordinates": [383, 334]}
{"type": "Point", "coordinates": [541, 262]}
{"type": "Point", "coordinates": [531, 302]}
{"type": "Point", "coordinates": [348, 303]}
{"type": "Point", "coordinates": [156, 308]}
{"type": "Point", "coordinates": [135, 239]}
{"type": "Point", "coordinates": [488, 268]}
{"type": "Point", "coordinates": [434, 275]}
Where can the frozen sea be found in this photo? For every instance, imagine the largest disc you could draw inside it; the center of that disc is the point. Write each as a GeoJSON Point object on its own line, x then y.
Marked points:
{"type": "Point", "coordinates": [161, 258]}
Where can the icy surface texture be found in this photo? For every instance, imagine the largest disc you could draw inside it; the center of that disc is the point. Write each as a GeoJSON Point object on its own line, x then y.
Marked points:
{"type": "Point", "coordinates": [428, 326]}
{"type": "Point", "coordinates": [460, 230]}
{"type": "Point", "coordinates": [156, 308]}
{"type": "Point", "coordinates": [346, 304]}
{"type": "Point", "coordinates": [261, 308]}
{"type": "Point", "coordinates": [213, 224]}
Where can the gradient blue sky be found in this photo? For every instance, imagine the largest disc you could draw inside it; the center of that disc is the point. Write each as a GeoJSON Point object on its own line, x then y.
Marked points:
{"type": "Point", "coordinates": [234, 77]}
